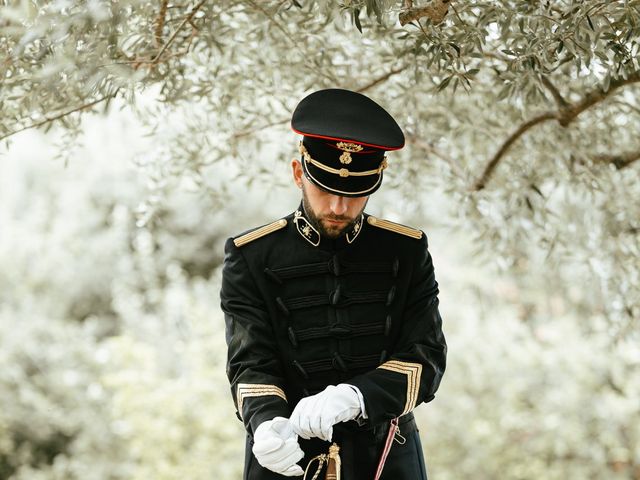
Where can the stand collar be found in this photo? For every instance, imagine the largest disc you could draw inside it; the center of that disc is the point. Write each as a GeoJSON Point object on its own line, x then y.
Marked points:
{"type": "Point", "coordinates": [311, 234]}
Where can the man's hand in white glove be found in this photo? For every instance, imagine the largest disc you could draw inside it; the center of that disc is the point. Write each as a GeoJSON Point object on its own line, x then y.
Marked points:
{"type": "Point", "coordinates": [275, 446]}
{"type": "Point", "coordinates": [316, 415]}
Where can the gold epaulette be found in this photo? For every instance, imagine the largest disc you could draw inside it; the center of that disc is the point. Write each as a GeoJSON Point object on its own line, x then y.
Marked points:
{"type": "Point", "coordinates": [260, 232]}
{"type": "Point", "coordinates": [394, 227]}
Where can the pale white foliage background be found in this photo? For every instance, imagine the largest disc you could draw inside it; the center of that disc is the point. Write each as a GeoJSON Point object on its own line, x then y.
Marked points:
{"type": "Point", "coordinates": [113, 353]}
{"type": "Point", "coordinates": [111, 225]}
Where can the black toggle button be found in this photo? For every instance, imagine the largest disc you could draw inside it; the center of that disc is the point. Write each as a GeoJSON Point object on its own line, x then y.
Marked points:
{"type": "Point", "coordinates": [273, 275]}
{"type": "Point", "coordinates": [339, 330]}
{"type": "Point", "coordinates": [335, 296]}
{"type": "Point", "coordinates": [338, 363]}
{"type": "Point", "coordinates": [395, 267]}
{"type": "Point", "coordinates": [301, 370]}
{"type": "Point", "coordinates": [334, 266]}
{"type": "Point", "coordinates": [391, 295]}
{"type": "Point", "coordinates": [292, 337]}
{"type": "Point", "coordinates": [282, 306]}
{"type": "Point", "coordinates": [383, 357]}
{"type": "Point", "coordinates": [387, 325]}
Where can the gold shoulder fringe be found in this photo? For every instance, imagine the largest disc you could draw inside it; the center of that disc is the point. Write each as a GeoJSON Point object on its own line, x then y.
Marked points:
{"type": "Point", "coordinates": [260, 232]}
{"type": "Point", "coordinates": [394, 227]}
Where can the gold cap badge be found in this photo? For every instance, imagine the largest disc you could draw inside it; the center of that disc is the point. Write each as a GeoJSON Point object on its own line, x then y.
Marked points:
{"type": "Point", "coordinates": [348, 148]}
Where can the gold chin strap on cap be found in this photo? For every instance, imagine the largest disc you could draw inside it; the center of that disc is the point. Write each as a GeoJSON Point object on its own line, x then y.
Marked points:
{"type": "Point", "coordinates": [332, 459]}
{"type": "Point", "coordinates": [343, 172]}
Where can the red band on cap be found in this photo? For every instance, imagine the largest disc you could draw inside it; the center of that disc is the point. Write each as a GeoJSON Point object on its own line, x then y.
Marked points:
{"type": "Point", "coordinates": [380, 147]}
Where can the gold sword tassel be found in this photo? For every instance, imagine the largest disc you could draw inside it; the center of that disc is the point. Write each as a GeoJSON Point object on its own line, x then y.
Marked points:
{"type": "Point", "coordinates": [333, 464]}
{"type": "Point", "coordinates": [332, 459]}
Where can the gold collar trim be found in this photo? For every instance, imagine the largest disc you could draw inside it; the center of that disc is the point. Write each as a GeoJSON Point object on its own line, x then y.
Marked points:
{"type": "Point", "coordinates": [355, 231]}
{"type": "Point", "coordinates": [305, 229]}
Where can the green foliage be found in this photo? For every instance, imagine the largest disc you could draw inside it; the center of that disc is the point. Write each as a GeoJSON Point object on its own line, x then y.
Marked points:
{"type": "Point", "coordinates": [536, 402]}
{"type": "Point", "coordinates": [112, 358]}
{"type": "Point", "coordinates": [522, 124]}
{"type": "Point", "coordinates": [525, 112]}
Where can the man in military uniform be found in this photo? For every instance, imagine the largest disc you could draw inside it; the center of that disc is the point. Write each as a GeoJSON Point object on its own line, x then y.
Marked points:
{"type": "Point", "coordinates": [332, 319]}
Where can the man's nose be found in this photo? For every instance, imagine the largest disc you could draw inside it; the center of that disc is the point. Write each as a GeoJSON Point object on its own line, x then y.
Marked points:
{"type": "Point", "coordinates": [338, 204]}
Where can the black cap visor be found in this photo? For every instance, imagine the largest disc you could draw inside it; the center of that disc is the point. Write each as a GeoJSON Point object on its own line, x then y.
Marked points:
{"type": "Point", "coordinates": [342, 186]}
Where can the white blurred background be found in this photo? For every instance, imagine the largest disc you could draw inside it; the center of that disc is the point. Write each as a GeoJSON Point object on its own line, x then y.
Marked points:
{"type": "Point", "coordinates": [112, 342]}
{"type": "Point", "coordinates": [136, 136]}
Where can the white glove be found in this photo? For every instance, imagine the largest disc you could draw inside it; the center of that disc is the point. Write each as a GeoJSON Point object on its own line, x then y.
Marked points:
{"type": "Point", "coordinates": [316, 415]}
{"type": "Point", "coordinates": [275, 446]}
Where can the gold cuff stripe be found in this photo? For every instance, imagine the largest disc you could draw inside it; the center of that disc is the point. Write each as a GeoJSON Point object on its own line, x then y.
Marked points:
{"type": "Point", "coordinates": [260, 232]}
{"type": "Point", "coordinates": [394, 227]}
{"type": "Point", "coordinates": [413, 371]}
{"type": "Point", "coordinates": [343, 172]}
{"type": "Point", "coordinates": [246, 390]}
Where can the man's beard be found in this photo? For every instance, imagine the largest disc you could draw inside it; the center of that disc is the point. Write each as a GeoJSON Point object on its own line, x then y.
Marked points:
{"type": "Point", "coordinates": [328, 231]}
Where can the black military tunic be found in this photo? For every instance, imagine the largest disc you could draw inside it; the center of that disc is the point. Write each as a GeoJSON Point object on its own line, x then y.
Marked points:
{"type": "Point", "coordinates": [303, 312]}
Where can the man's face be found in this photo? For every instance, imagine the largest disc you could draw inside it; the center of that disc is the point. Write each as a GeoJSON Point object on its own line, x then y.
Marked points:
{"type": "Point", "coordinates": [331, 214]}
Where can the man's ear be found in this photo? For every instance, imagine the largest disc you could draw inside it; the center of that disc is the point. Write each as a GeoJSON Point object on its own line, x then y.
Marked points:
{"type": "Point", "coordinates": [296, 170]}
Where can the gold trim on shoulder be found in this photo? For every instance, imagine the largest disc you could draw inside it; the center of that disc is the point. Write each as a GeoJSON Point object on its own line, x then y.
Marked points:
{"type": "Point", "coordinates": [413, 371]}
{"type": "Point", "coordinates": [394, 227]}
{"type": "Point", "coordinates": [260, 232]}
{"type": "Point", "coordinates": [245, 390]}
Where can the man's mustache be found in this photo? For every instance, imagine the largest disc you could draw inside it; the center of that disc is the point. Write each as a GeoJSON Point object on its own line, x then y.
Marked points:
{"type": "Point", "coordinates": [337, 219]}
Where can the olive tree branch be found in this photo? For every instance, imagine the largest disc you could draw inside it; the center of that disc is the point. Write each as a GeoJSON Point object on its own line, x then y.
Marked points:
{"type": "Point", "coordinates": [366, 87]}
{"type": "Point", "coordinates": [138, 62]}
{"type": "Point", "coordinates": [383, 78]}
{"type": "Point", "coordinates": [160, 22]}
{"type": "Point", "coordinates": [427, 147]}
{"type": "Point", "coordinates": [186, 20]}
{"type": "Point", "coordinates": [521, 130]}
{"type": "Point", "coordinates": [249, 132]}
{"type": "Point", "coordinates": [60, 115]}
{"type": "Point", "coordinates": [277, 24]}
{"type": "Point", "coordinates": [458, 15]}
{"type": "Point", "coordinates": [571, 112]}
{"type": "Point", "coordinates": [435, 11]}
{"type": "Point", "coordinates": [620, 160]}
{"type": "Point", "coordinates": [564, 115]}
{"type": "Point", "coordinates": [557, 96]}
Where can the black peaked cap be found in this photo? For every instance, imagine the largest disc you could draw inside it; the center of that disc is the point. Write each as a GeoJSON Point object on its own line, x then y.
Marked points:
{"type": "Point", "coordinates": [337, 114]}
{"type": "Point", "coordinates": [346, 135]}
